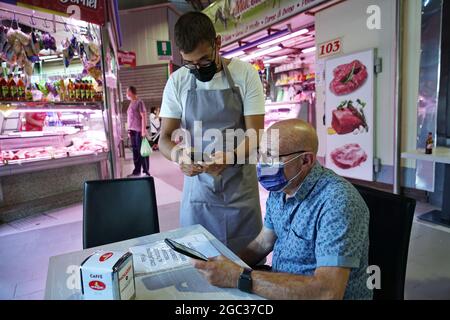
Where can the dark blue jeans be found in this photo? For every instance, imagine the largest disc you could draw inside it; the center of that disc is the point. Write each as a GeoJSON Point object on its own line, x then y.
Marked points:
{"type": "Point", "coordinates": [139, 161]}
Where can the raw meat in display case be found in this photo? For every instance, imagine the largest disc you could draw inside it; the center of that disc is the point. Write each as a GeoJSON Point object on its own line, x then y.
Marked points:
{"type": "Point", "coordinates": [349, 156]}
{"type": "Point", "coordinates": [79, 147]}
{"type": "Point", "coordinates": [348, 78]}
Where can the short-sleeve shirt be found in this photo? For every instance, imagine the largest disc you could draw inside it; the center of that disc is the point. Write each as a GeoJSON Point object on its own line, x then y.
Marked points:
{"type": "Point", "coordinates": [134, 115]}
{"type": "Point", "coordinates": [326, 224]}
{"type": "Point", "coordinates": [244, 75]}
{"type": "Point", "coordinates": [155, 123]}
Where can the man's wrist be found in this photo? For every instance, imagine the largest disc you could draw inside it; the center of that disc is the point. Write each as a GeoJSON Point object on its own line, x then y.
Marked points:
{"type": "Point", "coordinates": [238, 276]}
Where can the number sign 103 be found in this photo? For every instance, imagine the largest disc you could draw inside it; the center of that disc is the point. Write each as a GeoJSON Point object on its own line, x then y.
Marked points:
{"type": "Point", "coordinates": [330, 48]}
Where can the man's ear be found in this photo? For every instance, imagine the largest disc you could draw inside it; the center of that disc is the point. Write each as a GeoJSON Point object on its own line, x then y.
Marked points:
{"type": "Point", "coordinates": [309, 159]}
{"type": "Point", "coordinates": [219, 41]}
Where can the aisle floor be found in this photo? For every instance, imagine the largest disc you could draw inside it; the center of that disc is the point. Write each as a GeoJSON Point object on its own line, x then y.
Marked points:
{"type": "Point", "coordinates": [27, 244]}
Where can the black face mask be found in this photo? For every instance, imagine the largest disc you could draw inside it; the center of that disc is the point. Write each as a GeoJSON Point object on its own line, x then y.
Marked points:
{"type": "Point", "coordinates": [205, 74]}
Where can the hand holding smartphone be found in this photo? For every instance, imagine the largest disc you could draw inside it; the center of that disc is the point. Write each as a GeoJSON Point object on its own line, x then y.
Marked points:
{"type": "Point", "coordinates": [191, 253]}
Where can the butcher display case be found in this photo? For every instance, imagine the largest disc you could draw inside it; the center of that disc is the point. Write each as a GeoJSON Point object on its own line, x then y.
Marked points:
{"type": "Point", "coordinates": [72, 134]}
{"type": "Point", "coordinates": [45, 169]}
{"type": "Point", "coordinates": [58, 101]}
{"type": "Point", "coordinates": [278, 111]}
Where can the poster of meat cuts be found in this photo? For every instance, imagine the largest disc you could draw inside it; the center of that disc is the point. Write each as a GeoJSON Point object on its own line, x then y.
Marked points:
{"type": "Point", "coordinates": [350, 115]}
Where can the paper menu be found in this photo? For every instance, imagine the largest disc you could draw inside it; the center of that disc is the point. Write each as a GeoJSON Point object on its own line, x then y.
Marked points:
{"type": "Point", "coordinates": [157, 256]}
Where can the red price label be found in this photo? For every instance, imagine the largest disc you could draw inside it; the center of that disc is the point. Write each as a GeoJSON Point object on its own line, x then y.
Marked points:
{"type": "Point", "coordinates": [330, 48]}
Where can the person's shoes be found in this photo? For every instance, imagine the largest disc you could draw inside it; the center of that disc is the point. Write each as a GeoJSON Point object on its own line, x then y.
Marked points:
{"type": "Point", "coordinates": [147, 174]}
{"type": "Point", "coordinates": [133, 175]}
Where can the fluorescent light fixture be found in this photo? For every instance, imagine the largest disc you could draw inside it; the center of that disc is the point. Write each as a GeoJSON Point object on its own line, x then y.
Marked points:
{"type": "Point", "coordinates": [283, 38]}
{"type": "Point", "coordinates": [308, 50]}
{"type": "Point", "coordinates": [276, 59]}
{"type": "Point", "coordinates": [234, 54]}
{"type": "Point", "coordinates": [53, 60]}
{"type": "Point", "coordinates": [56, 110]}
{"type": "Point", "coordinates": [50, 57]}
{"type": "Point", "coordinates": [261, 53]}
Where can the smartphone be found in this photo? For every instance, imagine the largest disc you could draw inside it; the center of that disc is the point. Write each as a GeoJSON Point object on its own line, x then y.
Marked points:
{"type": "Point", "coordinates": [178, 247]}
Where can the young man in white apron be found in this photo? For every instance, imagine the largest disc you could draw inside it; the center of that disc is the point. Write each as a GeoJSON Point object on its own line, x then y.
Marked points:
{"type": "Point", "coordinates": [222, 94]}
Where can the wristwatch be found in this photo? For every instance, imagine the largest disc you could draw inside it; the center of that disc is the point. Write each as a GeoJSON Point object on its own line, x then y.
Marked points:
{"type": "Point", "coordinates": [245, 282]}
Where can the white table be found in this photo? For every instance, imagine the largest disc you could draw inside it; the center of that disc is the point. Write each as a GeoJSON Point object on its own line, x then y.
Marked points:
{"type": "Point", "coordinates": [179, 284]}
{"type": "Point", "coordinates": [440, 155]}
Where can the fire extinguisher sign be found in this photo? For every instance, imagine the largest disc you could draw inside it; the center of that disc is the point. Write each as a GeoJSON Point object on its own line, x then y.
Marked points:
{"type": "Point", "coordinates": [330, 48]}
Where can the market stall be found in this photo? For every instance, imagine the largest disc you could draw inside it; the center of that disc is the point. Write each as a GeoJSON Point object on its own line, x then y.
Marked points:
{"type": "Point", "coordinates": [279, 40]}
{"type": "Point", "coordinates": [57, 116]}
{"type": "Point", "coordinates": [320, 71]}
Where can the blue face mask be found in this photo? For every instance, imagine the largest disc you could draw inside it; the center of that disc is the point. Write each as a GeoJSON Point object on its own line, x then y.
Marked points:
{"type": "Point", "coordinates": [272, 177]}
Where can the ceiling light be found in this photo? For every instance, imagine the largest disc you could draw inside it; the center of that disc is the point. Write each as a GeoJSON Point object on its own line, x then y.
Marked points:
{"type": "Point", "coordinates": [284, 38]}
{"type": "Point", "coordinates": [53, 60]}
{"type": "Point", "coordinates": [276, 59]}
{"type": "Point", "coordinates": [261, 53]}
{"type": "Point", "coordinates": [251, 45]}
{"type": "Point", "coordinates": [50, 57]}
{"type": "Point", "coordinates": [233, 54]}
{"type": "Point", "coordinates": [308, 50]}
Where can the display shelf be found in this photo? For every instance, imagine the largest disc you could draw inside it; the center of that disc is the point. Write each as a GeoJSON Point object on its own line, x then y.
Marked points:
{"type": "Point", "coordinates": [28, 166]}
{"type": "Point", "coordinates": [290, 84]}
{"type": "Point", "coordinates": [274, 104]}
{"type": "Point", "coordinates": [289, 70]}
{"type": "Point", "coordinates": [296, 83]}
{"type": "Point", "coordinates": [32, 106]}
{"type": "Point", "coordinates": [440, 155]}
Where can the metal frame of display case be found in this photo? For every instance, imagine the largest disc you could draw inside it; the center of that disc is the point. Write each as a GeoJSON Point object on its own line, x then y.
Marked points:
{"type": "Point", "coordinates": [48, 164]}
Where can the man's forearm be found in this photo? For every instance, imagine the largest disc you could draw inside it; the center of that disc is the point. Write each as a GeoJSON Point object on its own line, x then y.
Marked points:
{"type": "Point", "coordinates": [144, 122]}
{"type": "Point", "coordinates": [166, 146]}
{"type": "Point", "coordinates": [281, 286]}
{"type": "Point", "coordinates": [254, 253]}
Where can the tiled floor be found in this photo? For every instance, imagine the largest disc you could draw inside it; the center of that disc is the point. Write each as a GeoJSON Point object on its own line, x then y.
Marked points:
{"type": "Point", "coordinates": [26, 245]}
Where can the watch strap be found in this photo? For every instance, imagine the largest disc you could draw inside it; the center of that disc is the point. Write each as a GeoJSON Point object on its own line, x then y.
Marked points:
{"type": "Point", "coordinates": [245, 282]}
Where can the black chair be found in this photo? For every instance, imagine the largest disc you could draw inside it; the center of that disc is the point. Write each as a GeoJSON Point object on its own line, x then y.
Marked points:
{"type": "Point", "coordinates": [117, 210]}
{"type": "Point", "coordinates": [391, 218]}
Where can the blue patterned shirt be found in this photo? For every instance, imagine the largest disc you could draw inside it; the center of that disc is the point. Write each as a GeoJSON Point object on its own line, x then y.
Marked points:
{"type": "Point", "coordinates": [326, 224]}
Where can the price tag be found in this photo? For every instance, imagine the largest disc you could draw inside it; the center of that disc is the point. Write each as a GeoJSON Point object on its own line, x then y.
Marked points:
{"type": "Point", "coordinates": [330, 48]}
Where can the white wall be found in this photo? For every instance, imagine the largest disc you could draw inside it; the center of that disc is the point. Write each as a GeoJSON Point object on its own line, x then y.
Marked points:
{"type": "Point", "coordinates": [141, 30]}
{"type": "Point", "coordinates": [348, 20]}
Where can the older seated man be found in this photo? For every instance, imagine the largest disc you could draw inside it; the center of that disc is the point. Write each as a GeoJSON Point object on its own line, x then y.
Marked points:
{"type": "Point", "coordinates": [316, 224]}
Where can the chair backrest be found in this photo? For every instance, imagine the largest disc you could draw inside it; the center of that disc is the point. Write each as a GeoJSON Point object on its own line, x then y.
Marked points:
{"type": "Point", "coordinates": [117, 210]}
{"type": "Point", "coordinates": [391, 218]}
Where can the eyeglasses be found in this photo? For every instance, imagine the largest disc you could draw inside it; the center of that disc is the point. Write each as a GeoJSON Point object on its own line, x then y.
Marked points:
{"type": "Point", "coordinates": [202, 64]}
{"type": "Point", "coordinates": [270, 160]}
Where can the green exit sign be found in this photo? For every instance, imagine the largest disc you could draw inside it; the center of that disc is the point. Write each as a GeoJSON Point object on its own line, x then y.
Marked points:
{"type": "Point", "coordinates": [164, 49]}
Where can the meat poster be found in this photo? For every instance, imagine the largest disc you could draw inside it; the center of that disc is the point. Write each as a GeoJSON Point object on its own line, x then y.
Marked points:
{"type": "Point", "coordinates": [350, 115]}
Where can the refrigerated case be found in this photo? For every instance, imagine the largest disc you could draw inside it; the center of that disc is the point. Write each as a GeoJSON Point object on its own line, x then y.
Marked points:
{"type": "Point", "coordinates": [45, 168]}
{"type": "Point", "coordinates": [74, 131]}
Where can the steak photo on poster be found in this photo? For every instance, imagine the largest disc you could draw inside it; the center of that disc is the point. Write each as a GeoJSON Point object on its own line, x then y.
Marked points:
{"type": "Point", "coordinates": [348, 156]}
{"type": "Point", "coordinates": [348, 78]}
{"type": "Point", "coordinates": [347, 118]}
